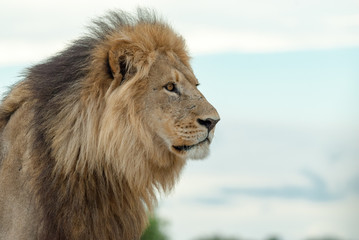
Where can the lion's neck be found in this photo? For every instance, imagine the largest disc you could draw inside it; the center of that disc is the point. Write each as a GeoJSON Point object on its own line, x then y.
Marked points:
{"type": "Point", "coordinates": [102, 204]}
{"type": "Point", "coordinates": [91, 206]}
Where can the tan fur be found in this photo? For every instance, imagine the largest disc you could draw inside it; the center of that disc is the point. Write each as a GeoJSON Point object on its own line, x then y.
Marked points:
{"type": "Point", "coordinates": [85, 160]}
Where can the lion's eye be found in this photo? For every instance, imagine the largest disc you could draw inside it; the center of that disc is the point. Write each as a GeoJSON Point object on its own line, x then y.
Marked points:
{"type": "Point", "coordinates": [170, 87]}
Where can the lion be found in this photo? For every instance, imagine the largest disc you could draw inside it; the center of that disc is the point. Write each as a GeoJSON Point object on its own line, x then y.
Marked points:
{"type": "Point", "coordinates": [91, 135]}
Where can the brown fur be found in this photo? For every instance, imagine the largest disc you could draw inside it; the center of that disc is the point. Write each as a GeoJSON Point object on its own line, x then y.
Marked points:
{"type": "Point", "coordinates": [90, 135]}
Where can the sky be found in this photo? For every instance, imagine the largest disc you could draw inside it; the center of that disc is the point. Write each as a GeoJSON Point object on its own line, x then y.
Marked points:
{"type": "Point", "coordinates": [284, 77]}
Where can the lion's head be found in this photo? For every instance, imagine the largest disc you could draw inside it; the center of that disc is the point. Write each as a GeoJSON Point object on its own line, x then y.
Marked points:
{"type": "Point", "coordinates": [177, 110]}
{"type": "Point", "coordinates": [154, 88]}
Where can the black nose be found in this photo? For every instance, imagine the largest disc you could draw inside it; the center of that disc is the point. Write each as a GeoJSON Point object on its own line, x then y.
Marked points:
{"type": "Point", "coordinates": [209, 123]}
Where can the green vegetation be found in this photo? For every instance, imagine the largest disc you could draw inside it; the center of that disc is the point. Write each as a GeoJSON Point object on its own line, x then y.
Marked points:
{"type": "Point", "coordinates": [156, 231]}
{"type": "Point", "coordinates": [273, 238]}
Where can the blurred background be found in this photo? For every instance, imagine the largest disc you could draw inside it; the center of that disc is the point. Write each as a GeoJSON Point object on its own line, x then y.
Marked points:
{"type": "Point", "coordinates": [284, 76]}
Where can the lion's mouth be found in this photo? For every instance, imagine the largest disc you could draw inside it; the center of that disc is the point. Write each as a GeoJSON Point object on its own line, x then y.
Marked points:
{"type": "Point", "coordinates": [189, 147]}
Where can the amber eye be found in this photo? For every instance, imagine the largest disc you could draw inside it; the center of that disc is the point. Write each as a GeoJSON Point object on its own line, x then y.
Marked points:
{"type": "Point", "coordinates": [170, 87]}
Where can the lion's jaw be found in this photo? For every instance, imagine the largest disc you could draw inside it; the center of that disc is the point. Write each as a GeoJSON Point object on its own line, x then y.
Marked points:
{"type": "Point", "coordinates": [199, 150]}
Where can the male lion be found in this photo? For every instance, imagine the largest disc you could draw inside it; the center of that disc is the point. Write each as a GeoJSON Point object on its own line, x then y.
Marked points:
{"type": "Point", "coordinates": [90, 134]}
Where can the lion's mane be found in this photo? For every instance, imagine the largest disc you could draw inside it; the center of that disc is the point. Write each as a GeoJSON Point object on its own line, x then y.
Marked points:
{"type": "Point", "coordinates": [90, 158]}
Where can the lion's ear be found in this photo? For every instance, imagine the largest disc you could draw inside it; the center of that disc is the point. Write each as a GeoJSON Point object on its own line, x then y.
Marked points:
{"type": "Point", "coordinates": [120, 64]}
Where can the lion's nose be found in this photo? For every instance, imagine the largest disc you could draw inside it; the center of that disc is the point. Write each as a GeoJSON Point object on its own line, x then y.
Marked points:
{"type": "Point", "coordinates": [209, 123]}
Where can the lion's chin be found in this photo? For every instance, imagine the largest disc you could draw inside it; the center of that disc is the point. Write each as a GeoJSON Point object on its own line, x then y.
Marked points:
{"type": "Point", "coordinates": [197, 151]}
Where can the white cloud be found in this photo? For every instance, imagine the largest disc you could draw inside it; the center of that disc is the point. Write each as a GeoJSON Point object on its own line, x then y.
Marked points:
{"type": "Point", "coordinates": [256, 218]}
{"type": "Point", "coordinates": [218, 40]}
{"type": "Point", "coordinates": [18, 52]}
{"type": "Point", "coordinates": [247, 26]}
{"type": "Point", "coordinates": [211, 40]}
{"type": "Point", "coordinates": [344, 21]}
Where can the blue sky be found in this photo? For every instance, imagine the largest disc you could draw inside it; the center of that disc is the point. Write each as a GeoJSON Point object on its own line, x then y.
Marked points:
{"type": "Point", "coordinates": [322, 83]}
{"type": "Point", "coordinates": [284, 77]}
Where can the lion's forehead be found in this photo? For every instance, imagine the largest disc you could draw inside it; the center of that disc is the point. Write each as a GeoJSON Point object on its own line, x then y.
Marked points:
{"type": "Point", "coordinates": [177, 69]}
{"type": "Point", "coordinates": [185, 73]}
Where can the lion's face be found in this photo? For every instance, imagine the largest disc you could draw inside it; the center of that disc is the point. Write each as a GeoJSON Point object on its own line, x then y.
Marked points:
{"type": "Point", "coordinates": [178, 112]}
